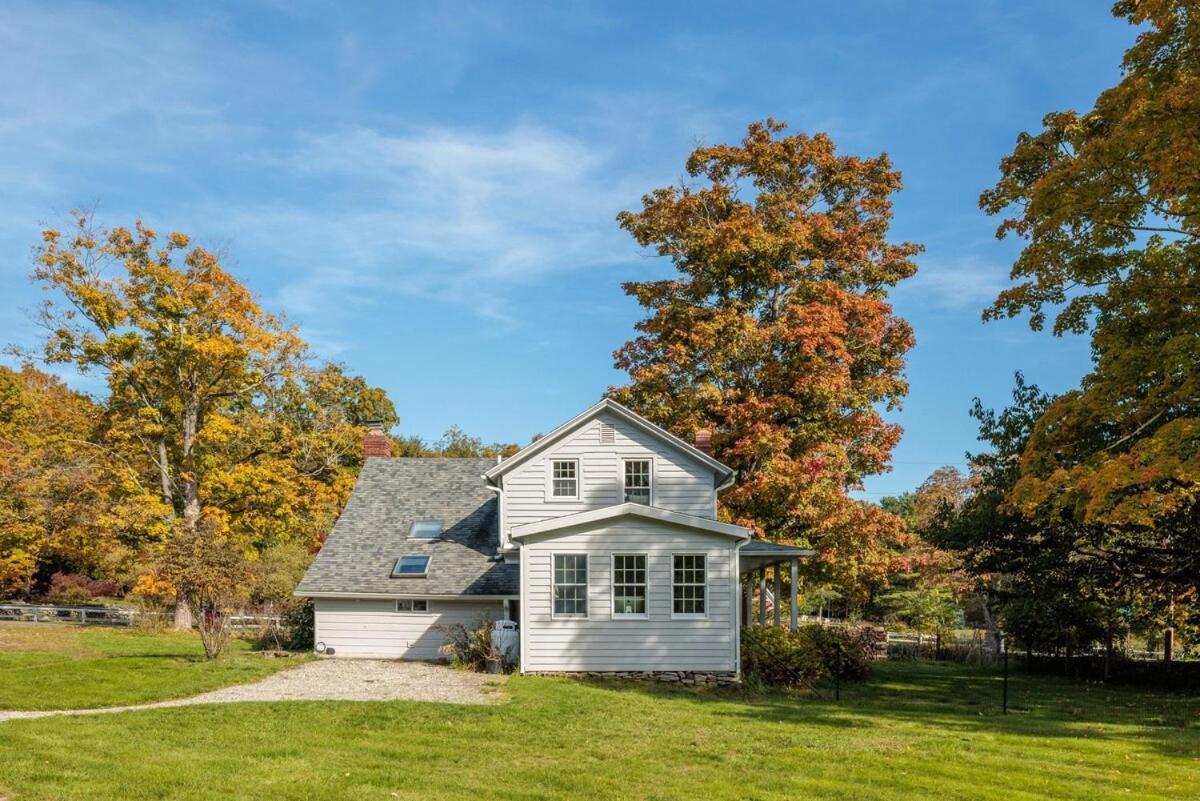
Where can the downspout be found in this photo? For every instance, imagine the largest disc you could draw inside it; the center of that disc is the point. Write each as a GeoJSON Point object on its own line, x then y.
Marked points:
{"type": "Point", "coordinates": [503, 534]}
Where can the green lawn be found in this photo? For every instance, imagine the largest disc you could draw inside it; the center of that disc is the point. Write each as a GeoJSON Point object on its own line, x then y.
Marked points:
{"type": "Point", "coordinates": [69, 667]}
{"type": "Point", "coordinates": [915, 731]}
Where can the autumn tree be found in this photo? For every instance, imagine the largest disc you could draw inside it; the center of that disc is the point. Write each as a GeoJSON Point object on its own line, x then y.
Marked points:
{"type": "Point", "coordinates": [245, 442]}
{"type": "Point", "coordinates": [776, 334]}
{"type": "Point", "coordinates": [66, 501]}
{"type": "Point", "coordinates": [1108, 206]}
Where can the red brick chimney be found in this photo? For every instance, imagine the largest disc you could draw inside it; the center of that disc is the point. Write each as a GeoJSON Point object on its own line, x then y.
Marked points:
{"type": "Point", "coordinates": [376, 441]}
{"type": "Point", "coordinates": [704, 441]}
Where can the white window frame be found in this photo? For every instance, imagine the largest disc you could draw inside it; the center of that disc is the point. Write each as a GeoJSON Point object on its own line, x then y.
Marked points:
{"type": "Point", "coordinates": [412, 610]}
{"type": "Point", "coordinates": [707, 594]}
{"type": "Point", "coordinates": [587, 585]}
{"type": "Point", "coordinates": [550, 496]}
{"type": "Point", "coordinates": [626, 461]}
{"type": "Point", "coordinates": [612, 588]}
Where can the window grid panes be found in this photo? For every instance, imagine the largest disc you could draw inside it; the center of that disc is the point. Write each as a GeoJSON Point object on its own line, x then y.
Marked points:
{"type": "Point", "coordinates": [637, 481]}
{"type": "Point", "coordinates": [565, 479]}
{"type": "Point", "coordinates": [570, 585]}
{"type": "Point", "coordinates": [629, 584]}
{"type": "Point", "coordinates": [412, 605]}
{"type": "Point", "coordinates": [689, 584]}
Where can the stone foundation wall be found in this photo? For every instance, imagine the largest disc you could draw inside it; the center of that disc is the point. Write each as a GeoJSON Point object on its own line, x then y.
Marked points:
{"type": "Point", "coordinates": [702, 678]}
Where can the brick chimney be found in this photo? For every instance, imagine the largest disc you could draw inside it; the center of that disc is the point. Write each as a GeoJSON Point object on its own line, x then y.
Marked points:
{"type": "Point", "coordinates": [704, 441]}
{"type": "Point", "coordinates": [376, 441]}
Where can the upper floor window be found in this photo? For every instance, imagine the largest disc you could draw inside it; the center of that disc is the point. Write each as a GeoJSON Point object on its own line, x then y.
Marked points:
{"type": "Point", "coordinates": [629, 584]}
{"type": "Point", "coordinates": [570, 585]}
{"type": "Point", "coordinates": [426, 529]}
{"type": "Point", "coordinates": [637, 481]}
{"type": "Point", "coordinates": [689, 584]}
{"type": "Point", "coordinates": [564, 478]}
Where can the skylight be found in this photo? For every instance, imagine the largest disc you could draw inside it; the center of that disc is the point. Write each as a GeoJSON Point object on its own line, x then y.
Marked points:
{"type": "Point", "coordinates": [426, 529]}
{"type": "Point", "coordinates": [411, 566]}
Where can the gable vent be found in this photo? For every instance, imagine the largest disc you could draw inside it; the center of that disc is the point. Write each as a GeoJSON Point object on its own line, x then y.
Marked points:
{"type": "Point", "coordinates": [607, 435]}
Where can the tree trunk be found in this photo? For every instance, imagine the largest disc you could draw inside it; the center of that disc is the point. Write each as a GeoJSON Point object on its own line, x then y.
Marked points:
{"type": "Point", "coordinates": [993, 635]}
{"type": "Point", "coordinates": [164, 473]}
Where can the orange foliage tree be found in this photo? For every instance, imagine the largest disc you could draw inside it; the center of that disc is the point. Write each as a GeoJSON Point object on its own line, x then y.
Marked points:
{"type": "Point", "coordinates": [243, 441]}
{"type": "Point", "coordinates": [1108, 205]}
{"type": "Point", "coordinates": [776, 334]}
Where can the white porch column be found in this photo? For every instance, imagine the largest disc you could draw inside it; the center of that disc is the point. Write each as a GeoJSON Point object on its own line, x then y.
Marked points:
{"type": "Point", "coordinates": [762, 597]}
{"type": "Point", "coordinates": [747, 599]}
{"type": "Point", "coordinates": [795, 581]}
{"type": "Point", "coordinates": [778, 594]}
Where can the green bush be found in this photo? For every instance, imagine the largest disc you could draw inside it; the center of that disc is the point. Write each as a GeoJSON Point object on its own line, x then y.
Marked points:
{"type": "Point", "coordinates": [299, 623]}
{"type": "Point", "coordinates": [775, 656]}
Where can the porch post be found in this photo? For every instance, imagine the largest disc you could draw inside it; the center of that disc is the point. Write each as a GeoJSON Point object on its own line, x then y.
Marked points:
{"type": "Point", "coordinates": [795, 581]}
{"type": "Point", "coordinates": [762, 597]}
{"type": "Point", "coordinates": [747, 599]}
{"type": "Point", "coordinates": [778, 594]}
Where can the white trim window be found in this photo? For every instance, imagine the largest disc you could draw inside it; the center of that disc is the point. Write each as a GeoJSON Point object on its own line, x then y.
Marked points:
{"type": "Point", "coordinates": [564, 479]}
{"type": "Point", "coordinates": [639, 480]}
{"type": "Point", "coordinates": [570, 585]}
{"type": "Point", "coordinates": [419, 605]}
{"type": "Point", "coordinates": [689, 585]}
{"type": "Point", "coordinates": [629, 585]}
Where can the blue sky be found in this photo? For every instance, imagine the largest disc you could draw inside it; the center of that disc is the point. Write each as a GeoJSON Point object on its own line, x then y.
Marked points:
{"type": "Point", "coordinates": [428, 190]}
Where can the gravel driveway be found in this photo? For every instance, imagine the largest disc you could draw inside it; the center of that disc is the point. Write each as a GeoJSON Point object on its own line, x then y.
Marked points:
{"type": "Point", "coordinates": [333, 680]}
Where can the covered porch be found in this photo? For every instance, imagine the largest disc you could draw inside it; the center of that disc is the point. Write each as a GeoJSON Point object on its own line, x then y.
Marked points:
{"type": "Point", "coordinates": [764, 563]}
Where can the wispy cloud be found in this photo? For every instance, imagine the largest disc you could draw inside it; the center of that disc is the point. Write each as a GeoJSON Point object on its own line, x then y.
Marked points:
{"type": "Point", "coordinates": [457, 215]}
{"type": "Point", "coordinates": [965, 282]}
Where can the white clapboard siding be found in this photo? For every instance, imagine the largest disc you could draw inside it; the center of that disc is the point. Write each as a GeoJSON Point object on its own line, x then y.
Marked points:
{"type": "Point", "coordinates": [603, 642]}
{"type": "Point", "coordinates": [680, 483]}
{"type": "Point", "coordinates": [373, 628]}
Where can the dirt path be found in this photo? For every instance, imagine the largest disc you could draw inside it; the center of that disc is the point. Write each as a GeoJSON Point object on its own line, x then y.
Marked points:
{"type": "Point", "coordinates": [331, 680]}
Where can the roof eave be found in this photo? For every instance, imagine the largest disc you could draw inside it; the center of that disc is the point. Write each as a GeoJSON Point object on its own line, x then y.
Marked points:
{"type": "Point", "coordinates": [607, 404]}
{"type": "Point", "coordinates": [631, 510]}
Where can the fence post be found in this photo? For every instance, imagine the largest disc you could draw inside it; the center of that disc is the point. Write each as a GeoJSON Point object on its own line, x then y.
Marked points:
{"type": "Point", "coordinates": [83, 617]}
{"type": "Point", "coordinates": [1004, 645]}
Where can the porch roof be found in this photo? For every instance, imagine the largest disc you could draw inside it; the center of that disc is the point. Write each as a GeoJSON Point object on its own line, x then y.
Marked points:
{"type": "Point", "coordinates": [756, 554]}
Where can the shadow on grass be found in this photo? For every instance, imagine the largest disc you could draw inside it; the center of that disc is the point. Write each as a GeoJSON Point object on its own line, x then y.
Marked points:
{"type": "Point", "coordinates": [962, 699]}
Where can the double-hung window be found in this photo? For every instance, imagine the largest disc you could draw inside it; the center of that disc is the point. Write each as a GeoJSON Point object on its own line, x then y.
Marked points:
{"type": "Point", "coordinates": [637, 481]}
{"type": "Point", "coordinates": [564, 478]}
{"type": "Point", "coordinates": [689, 585]}
{"type": "Point", "coordinates": [629, 585]}
{"type": "Point", "coordinates": [570, 585]}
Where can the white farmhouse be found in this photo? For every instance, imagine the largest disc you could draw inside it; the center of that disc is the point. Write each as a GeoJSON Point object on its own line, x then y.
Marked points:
{"type": "Point", "coordinates": [600, 540]}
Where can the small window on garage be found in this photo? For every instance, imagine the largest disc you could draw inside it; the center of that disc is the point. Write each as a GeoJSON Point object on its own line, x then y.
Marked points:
{"type": "Point", "coordinates": [411, 566]}
{"type": "Point", "coordinates": [412, 605]}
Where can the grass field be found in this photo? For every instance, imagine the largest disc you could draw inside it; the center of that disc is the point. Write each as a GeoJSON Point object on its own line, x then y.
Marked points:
{"type": "Point", "coordinates": [916, 730]}
{"type": "Point", "coordinates": [69, 667]}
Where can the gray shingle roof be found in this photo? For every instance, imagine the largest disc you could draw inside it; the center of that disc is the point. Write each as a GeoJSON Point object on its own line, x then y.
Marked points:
{"type": "Point", "coordinates": [373, 530]}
